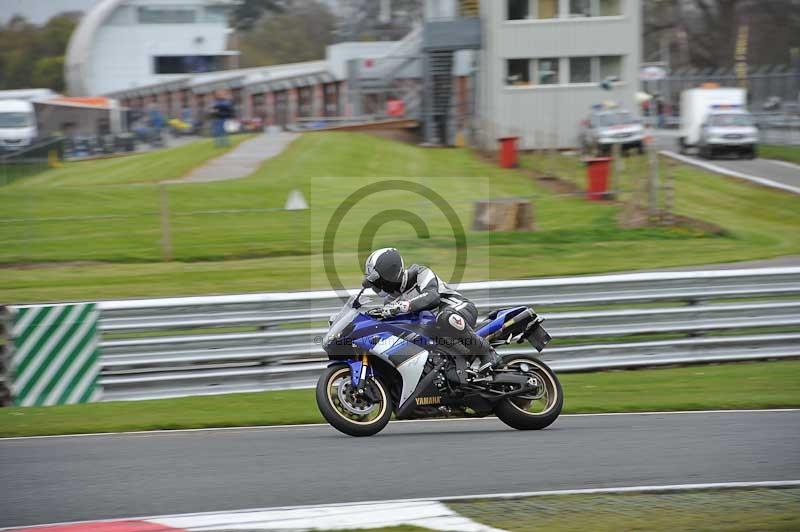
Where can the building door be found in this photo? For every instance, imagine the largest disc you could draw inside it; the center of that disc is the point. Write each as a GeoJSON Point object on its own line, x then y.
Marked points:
{"type": "Point", "coordinates": [281, 108]}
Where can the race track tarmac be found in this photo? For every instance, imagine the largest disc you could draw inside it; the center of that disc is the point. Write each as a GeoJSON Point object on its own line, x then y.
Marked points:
{"type": "Point", "coordinates": [47, 480]}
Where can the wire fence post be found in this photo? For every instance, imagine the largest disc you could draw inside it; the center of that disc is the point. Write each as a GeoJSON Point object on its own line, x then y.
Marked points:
{"type": "Point", "coordinates": [652, 184]}
{"type": "Point", "coordinates": [166, 238]}
{"type": "Point", "coordinates": [616, 175]}
{"type": "Point", "coordinates": [669, 196]}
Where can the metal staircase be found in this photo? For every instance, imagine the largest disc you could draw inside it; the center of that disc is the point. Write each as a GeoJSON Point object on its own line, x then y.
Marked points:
{"type": "Point", "coordinates": [451, 25]}
{"type": "Point", "coordinates": [438, 96]}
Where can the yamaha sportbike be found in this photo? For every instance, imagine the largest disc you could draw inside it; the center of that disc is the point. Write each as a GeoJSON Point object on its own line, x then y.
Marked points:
{"type": "Point", "coordinates": [400, 366]}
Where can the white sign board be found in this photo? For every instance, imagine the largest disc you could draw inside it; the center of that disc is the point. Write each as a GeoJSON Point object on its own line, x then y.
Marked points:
{"type": "Point", "coordinates": [652, 73]}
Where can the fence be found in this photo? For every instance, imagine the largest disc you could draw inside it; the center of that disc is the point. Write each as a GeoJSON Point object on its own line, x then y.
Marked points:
{"type": "Point", "coordinates": [762, 83]}
{"type": "Point", "coordinates": [31, 160]}
{"type": "Point", "coordinates": [773, 93]}
{"type": "Point", "coordinates": [173, 347]}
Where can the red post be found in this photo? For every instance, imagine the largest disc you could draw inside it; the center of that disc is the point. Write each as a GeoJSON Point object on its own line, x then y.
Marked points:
{"type": "Point", "coordinates": [508, 152]}
{"type": "Point", "coordinates": [597, 170]}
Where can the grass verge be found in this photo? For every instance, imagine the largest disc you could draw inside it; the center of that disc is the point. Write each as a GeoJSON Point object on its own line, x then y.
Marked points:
{"type": "Point", "coordinates": [68, 239]}
{"type": "Point", "coordinates": [782, 153]}
{"type": "Point", "coordinates": [737, 510]}
{"type": "Point", "coordinates": [746, 385]}
{"type": "Point", "coordinates": [149, 167]}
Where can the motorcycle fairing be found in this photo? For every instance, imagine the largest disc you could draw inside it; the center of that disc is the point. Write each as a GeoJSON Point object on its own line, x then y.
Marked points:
{"type": "Point", "coordinates": [393, 343]}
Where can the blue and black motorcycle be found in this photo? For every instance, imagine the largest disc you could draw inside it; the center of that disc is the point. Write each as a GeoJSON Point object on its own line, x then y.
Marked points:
{"type": "Point", "coordinates": [398, 366]}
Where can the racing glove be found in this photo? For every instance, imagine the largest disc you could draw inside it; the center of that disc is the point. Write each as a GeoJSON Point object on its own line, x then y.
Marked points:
{"type": "Point", "coordinates": [394, 308]}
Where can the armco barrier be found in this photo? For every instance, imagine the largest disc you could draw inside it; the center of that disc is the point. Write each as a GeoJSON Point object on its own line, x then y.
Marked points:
{"type": "Point", "coordinates": [173, 347]}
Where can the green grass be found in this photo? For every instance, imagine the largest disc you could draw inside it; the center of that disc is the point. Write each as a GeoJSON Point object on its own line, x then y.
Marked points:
{"type": "Point", "coordinates": [154, 166]}
{"type": "Point", "coordinates": [782, 153]}
{"type": "Point", "coordinates": [735, 510]}
{"type": "Point", "coordinates": [746, 385]}
{"type": "Point", "coordinates": [67, 239]}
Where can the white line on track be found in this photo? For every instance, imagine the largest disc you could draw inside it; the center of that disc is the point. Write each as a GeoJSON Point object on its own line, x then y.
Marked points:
{"type": "Point", "coordinates": [725, 171]}
{"type": "Point", "coordinates": [352, 507]}
{"type": "Point", "coordinates": [441, 420]}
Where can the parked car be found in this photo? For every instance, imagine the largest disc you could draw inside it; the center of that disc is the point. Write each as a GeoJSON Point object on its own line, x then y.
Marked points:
{"type": "Point", "coordinates": [606, 127]}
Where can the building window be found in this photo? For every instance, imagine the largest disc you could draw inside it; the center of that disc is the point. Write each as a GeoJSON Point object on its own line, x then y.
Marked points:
{"type": "Point", "coordinates": [518, 72]}
{"type": "Point", "coordinates": [518, 9]}
{"type": "Point", "coordinates": [547, 71]}
{"type": "Point", "coordinates": [159, 15]}
{"type": "Point", "coordinates": [611, 66]}
{"type": "Point", "coordinates": [547, 9]}
{"type": "Point", "coordinates": [580, 8]}
{"type": "Point", "coordinates": [216, 14]}
{"type": "Point", "coordinates": [580, 70]}
{"type": "Point", "coordinates": [188, 64]}
{"type": "Point", "coordinates": [609, 8]}
{"type": "Point", "coordinates": [594, 8]}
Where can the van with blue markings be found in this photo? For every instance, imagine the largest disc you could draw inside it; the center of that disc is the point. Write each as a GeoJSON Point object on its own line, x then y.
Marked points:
{"type": "Point", "coordinates": [715, 121]}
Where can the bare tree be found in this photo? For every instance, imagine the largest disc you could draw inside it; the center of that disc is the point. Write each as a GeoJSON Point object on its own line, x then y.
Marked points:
{"type": "Point", "coordinates": [703, 33]}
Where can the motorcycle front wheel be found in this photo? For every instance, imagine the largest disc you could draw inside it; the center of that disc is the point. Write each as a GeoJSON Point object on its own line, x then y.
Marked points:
{"type": "Point", "coordinates": [535, 411]}
{"type": "Point", "coordinates": [348, 411]}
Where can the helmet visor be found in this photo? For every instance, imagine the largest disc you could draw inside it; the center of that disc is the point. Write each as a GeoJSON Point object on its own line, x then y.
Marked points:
{"type": "Point", "coordinates": [372, 280]}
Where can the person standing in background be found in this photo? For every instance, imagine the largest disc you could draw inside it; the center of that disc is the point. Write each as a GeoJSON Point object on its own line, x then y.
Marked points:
{"type": "Point", "coordinates": [221, 111]}
{"type": "Point", "coordinates": [660, 111]}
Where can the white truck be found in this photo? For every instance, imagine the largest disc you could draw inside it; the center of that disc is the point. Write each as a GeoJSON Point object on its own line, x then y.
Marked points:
{"type": "Point", "coordinates": [715, 120]}
{"type": "Point", "coordinates": [17, 125]}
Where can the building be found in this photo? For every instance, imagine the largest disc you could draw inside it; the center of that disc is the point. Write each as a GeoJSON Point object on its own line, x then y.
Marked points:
{"type": "Point", "coordinates": [542, 63]}
{"type": "Point", "coordinates": [120, 44]}
{"type": "Point", "coordinates": [474, 70]}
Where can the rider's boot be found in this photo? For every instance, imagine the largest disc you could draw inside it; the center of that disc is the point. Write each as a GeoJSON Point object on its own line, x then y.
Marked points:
{"type": "Point", "coordinates": [488, 362]}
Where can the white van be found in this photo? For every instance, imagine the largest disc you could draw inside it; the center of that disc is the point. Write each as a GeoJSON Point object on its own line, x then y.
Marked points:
{"type": "Point", "coordinates": [715, 121]}
{"type": "Point", "coordinates": [17, 124]}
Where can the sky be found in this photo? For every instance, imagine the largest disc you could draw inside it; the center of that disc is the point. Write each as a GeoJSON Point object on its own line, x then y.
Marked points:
{"type": "Point", "coordinates": [39, 11]}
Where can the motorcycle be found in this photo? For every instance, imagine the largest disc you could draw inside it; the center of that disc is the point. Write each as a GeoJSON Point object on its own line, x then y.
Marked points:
{"type": "Point", "coordinates": [399, 366]}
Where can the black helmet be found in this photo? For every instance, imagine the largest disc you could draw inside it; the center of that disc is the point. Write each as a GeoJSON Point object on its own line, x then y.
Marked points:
{"type": "Point", "coordinates": [384, 271]}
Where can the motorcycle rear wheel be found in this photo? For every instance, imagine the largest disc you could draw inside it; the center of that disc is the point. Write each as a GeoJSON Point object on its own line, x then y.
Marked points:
{"type": "Point", "coordinates": [532, 413]}
{"type": "Point", "coordinates": [345, 410]}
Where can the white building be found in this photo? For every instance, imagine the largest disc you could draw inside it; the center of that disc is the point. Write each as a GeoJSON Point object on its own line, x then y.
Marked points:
{"type": "Point", "coordinates": [122, 44]}
{"type": "Point", "coordinates": [543, 60]}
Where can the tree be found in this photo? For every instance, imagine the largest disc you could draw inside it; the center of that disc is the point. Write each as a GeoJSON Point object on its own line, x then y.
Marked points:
{"type": "Point", "coordinates": [300, 33]}
{"type": "Point", "coordinates": [703, 33]}
{"type": "Point", "coordinates": [33, 56]}
{"type": "Point", "coordinates": [359, 20]}
{"type": "Point", "coordinates": [48, 72]}
{"type": "Point", "coordinates": [247, 13]}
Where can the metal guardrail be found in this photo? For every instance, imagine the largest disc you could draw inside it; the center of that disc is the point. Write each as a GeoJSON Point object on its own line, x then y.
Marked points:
{"type": "Point", "coordinates": [220, 344]}
{"type": "Point", "coordinates": [157, 348]}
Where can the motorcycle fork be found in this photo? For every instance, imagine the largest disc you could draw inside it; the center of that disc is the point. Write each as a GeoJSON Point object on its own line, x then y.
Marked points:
{"type": "Point", "coordinates": [362, 377]}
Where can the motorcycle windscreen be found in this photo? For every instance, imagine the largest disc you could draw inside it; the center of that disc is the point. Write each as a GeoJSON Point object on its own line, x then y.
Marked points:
{"type": "Point", "coordinates": [339, 322]}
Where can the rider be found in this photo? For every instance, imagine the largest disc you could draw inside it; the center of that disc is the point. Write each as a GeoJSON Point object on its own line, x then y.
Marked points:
{"type": "Point", "coordinates": [418, 288]}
